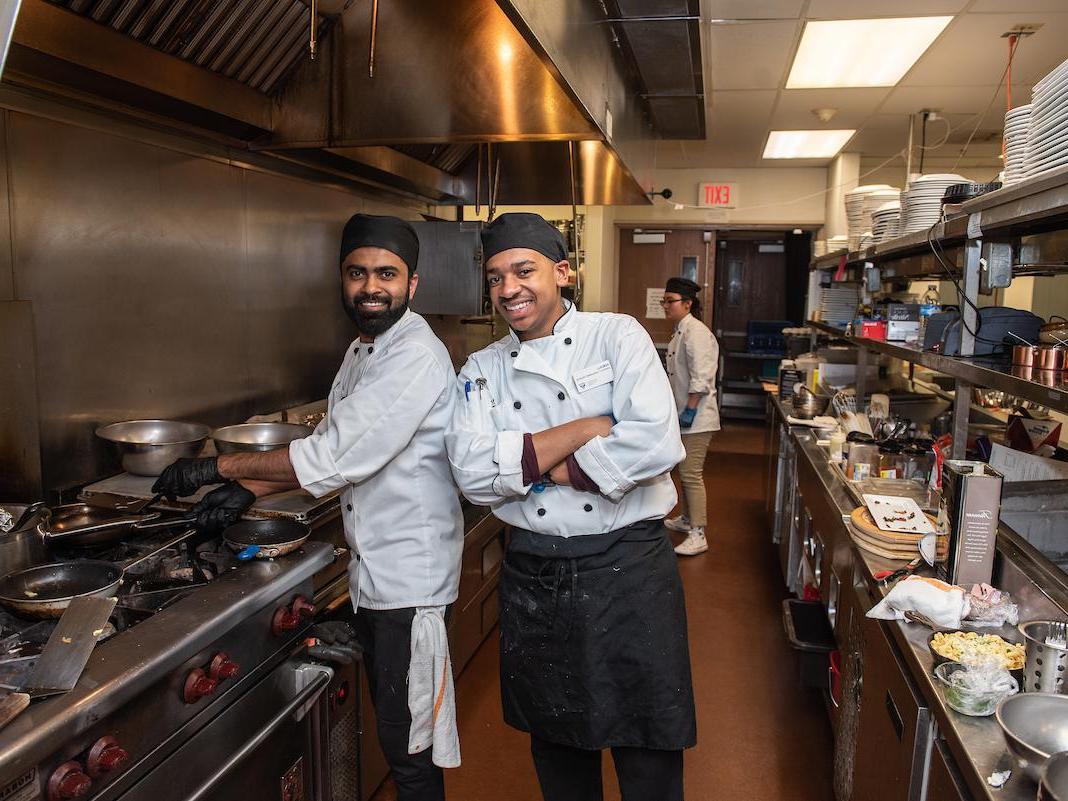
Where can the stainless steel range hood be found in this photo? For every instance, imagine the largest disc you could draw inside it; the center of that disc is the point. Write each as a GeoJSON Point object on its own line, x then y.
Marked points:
{"type": "Point", "coordinates": [530, 76]}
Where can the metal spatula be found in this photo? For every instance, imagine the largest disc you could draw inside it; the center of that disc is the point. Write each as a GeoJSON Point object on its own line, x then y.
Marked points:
{"type": "Point", "coordinates": [68, 649]}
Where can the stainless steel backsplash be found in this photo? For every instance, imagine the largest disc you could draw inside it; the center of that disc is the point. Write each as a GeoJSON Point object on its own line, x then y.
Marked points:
{"type": "Point", "coordinates": [158, 284]}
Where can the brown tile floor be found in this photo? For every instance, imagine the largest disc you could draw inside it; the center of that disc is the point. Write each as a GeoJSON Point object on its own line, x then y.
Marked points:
{"type": "Point", "coordinates": [760, 736]}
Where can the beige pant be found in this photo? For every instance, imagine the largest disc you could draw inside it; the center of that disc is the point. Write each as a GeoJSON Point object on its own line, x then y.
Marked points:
{"type": "Point", "coordinates": [692, 477]}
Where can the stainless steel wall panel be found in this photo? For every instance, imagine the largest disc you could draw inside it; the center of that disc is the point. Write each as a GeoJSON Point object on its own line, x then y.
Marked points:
{"type": "Point", "coordinates": [165, 284]}
{"type": "Point", "coordinates": [20, 451]}
{"type": "Point", "coordinates": [297, 329]}
{"type": "Point", "coordinates": [132, 256]}
{"type": "Point", "coordinates": [7, 274]}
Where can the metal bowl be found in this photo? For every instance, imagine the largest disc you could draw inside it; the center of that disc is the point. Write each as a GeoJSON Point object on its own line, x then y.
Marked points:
{"type": "Point", "coordinates": [1035, 725]}
{"type": "Point", "coordinates": [257, 436]}
{"type": "Point", "coordinates": [148, 446]}
{"type": "Point", "coordinates": [1054, 783]}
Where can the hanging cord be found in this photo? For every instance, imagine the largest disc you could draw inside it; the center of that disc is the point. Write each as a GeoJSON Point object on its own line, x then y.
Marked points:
{"type": "Point", "coordinates": [979, 121]}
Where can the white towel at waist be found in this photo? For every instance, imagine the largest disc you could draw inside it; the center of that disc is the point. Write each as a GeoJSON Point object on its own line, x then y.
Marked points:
{"type": "Point", "coordinates": [431, 696]}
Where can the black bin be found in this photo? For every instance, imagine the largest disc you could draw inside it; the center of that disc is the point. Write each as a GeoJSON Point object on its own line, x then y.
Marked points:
{"type": "Point", "coordinates": [809, 632]}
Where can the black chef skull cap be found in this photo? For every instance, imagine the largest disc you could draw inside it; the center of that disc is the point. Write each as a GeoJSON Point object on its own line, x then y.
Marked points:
{"type": "Point", "coordinates": [378, 231]}
{"type": "Point", "coordinates": [523, 230]}
{"type": "Point", "coordinates": [683, 286]}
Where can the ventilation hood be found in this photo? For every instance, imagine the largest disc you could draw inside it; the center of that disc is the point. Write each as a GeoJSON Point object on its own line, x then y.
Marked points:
{"type": "Point", "coordinates": [536, 101]}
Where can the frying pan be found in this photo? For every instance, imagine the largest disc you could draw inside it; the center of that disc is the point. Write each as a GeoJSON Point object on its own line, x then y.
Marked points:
{"type": "Point", "coordinates": [265, 539]}
{"type": "Point", "coordinates": [81, 524]}
{"type": "Point", "coordinates": [45, 591]}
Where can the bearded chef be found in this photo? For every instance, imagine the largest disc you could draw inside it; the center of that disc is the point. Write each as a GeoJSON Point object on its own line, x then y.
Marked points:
{"type": "Point", "coordinates": [567, 428]}
{"type": "Point", "coordinates": [382, 444]}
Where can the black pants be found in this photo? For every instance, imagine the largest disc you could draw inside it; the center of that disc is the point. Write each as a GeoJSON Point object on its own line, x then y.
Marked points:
{"type": "Point", "coordinates": [386, 639]}
{"type": "Point", "coordinates": [574, 774]}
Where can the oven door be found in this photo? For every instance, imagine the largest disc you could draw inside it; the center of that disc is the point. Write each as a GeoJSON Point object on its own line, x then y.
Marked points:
{"type": "Point", "coordinates": [268, 745]}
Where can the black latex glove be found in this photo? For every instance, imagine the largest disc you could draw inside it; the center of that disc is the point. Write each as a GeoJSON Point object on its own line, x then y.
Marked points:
{"type": "Point", "coordinates": [186, 476]}
{"type": "Point", "coordinates": [335, 654]}
{"type": "Point", "coordinates": [223, 506]}
{"type": "Point", "coordinates": [334, 632]}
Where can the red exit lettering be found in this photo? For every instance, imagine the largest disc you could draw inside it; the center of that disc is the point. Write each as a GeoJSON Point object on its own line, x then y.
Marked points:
{"type": "Point", "coordinates": [717, 195]}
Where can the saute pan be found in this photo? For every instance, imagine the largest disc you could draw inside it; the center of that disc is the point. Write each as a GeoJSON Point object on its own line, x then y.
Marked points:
{"type": "Point", "coordinates": [81, 524]}
{"type": "Point", "coordinates": [45, 591]}
{"type": "Point", "coordinates": [265, 539]}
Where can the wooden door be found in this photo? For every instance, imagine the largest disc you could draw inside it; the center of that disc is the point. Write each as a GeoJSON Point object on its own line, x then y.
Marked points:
{"type": "Point", "coordinates": [752, 282]}
{"type": "Point", "coordinates": [645, 266]}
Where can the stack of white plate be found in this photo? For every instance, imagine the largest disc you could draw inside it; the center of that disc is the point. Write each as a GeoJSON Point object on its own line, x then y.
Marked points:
{"type": "Point", "coordinates": [1047, 137]}
{"type": "Point", "coordinates": [838, 303]}
{"type": "Point", "coordinates": [840, 242]}
{"type": "Point", "coordinates": [1017, 123]}
{"type": "Point", "coordinates": [886, 221]}
{"type": "Point", "coordinates": [858, 215]}
{"type": "Point", "coordinates": [923, 204]}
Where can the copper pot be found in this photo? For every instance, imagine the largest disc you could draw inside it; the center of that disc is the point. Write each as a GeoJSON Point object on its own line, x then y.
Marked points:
{"type": "Point", "coordinates": [1025, 355]}
{"type": "Point", "coordinates": [1051, 357]}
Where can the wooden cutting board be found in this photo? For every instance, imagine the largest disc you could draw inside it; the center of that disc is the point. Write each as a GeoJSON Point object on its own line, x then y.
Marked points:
{"type": "Point", "coordinates": [862, 520]}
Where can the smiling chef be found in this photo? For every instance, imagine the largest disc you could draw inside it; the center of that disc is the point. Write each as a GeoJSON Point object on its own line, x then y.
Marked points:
{"type": "Point", "coordinates": [382, 444]}
{"type": "Point", "coordinates": [568, 429]}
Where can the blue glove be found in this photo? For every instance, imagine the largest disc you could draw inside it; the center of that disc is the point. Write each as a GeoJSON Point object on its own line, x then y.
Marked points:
{"type": "Point", "coordinates": [687, 417]}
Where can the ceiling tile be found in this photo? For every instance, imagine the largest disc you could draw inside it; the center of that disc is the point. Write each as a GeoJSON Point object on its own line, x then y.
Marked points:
{"type": "Point", "coordinates": [794, 110]}
{"type": "Point", "coordinates": [1016, 6]}
{"type": "Point", "coordinates": [971, 52]}
{"type": "Point", "coordinates": [752, 56]}
{"type": "Point", "coordinates": [950, 99]}
{"type": "Point", "coordinates": [747, 9]}
{"type": "Point", "coordinates": [851, 9]}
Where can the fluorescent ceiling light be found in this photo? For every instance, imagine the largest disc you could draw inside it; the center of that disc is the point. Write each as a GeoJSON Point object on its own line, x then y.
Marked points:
{"type": "Point", "coordinates": [861, 52]}
{"type": "Point", "coordinates": [806, 144]}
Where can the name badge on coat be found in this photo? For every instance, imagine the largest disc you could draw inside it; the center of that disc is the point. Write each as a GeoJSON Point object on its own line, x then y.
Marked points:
{"type": "Point", "coordinates": [593, 377]}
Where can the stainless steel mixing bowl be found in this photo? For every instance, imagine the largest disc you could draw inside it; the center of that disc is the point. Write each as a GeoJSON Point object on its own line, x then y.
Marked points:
{"type": "Point", "coordinates": [1035, 726]}
{"type": "Point", "coordinates": [148, 446]}
{"type": "Point", "coordinates": [257, 436]}
{"type": "Point", "coordinates": [1054, 783]}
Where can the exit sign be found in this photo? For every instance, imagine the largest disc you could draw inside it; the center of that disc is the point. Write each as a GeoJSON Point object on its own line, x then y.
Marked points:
{"type": "Point", "coordinates": [717, 196]}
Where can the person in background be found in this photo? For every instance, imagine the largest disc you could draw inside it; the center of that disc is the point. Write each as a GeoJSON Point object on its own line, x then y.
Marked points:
{"type": "Point", "coordinates": [567, 428]}
{"type": "Point", "coordinates": [692, 360]}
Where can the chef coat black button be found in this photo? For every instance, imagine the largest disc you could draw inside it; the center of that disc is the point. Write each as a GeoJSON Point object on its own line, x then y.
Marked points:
{"type": "Point", "coordinates": [567, 340]}
{"type": "Point", "coordinates": [514, 353]}
{"type": "Point", "coordinates": [348, 507]}
{"type": "Point", "coordinates": [541, 513]}
{"type": "Point", "coordinates": [561, 395]}
{"type": "Point", "coordinates": [588, 507]}
{"type": "Point", "coordinates": [517, 405]}
{"type": "Point", "coordinates": [356, 350]}
{"type": "Point", "coordinates": [370, 350]}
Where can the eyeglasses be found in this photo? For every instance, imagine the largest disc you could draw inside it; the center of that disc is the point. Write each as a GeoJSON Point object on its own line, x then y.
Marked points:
{"type": "Point", "coordinates": [669, 301]}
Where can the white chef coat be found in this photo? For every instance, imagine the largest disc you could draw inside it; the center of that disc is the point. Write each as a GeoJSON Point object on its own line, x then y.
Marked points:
{"type": "Point", "coordinates": [592, 364]}
{"type": "Point", "coordinates": [692, 362]}
{"type": "Point", "coordinates": [383, 442]}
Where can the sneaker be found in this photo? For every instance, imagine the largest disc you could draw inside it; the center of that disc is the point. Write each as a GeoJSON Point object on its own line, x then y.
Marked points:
{"type": "Point", "coordinates": [694, 544]}
{"type": "Point", "coordinates": [680, 523]}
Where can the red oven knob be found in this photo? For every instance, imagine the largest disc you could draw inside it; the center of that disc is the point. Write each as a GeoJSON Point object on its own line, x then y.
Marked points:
{"type": "Point", "coordinates": [302, 607]}
{"type": "Point", "coordinates": [289, 618]}
{"type": "Point", "coordinates": [283, 621]}
{"type": "Point", "coordinates": [105, 756]}
{"type": "Point", "coordinates": [198, 685]}
{"type": "Point", "coordinates": [68, 781]}
{"type": "Point", "coordinates": [222, 668]}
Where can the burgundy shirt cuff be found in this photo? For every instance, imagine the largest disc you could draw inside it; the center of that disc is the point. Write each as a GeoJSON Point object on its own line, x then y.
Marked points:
{"type": "Point", "coordinates": [578, 477]}
{"type": "Point", "coordinates": [531, 474]}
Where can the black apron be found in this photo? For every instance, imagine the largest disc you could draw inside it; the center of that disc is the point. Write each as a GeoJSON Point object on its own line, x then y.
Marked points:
{"type": "Point", "coordinates": [594, 651]}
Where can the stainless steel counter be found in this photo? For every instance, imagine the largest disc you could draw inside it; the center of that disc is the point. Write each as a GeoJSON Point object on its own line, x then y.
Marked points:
{"type": "Point", "coordinates": [976, 744]}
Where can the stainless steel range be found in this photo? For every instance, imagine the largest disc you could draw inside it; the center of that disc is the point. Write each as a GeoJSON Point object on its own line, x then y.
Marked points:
{"type": "Point", "coordinates": [201, 689]}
